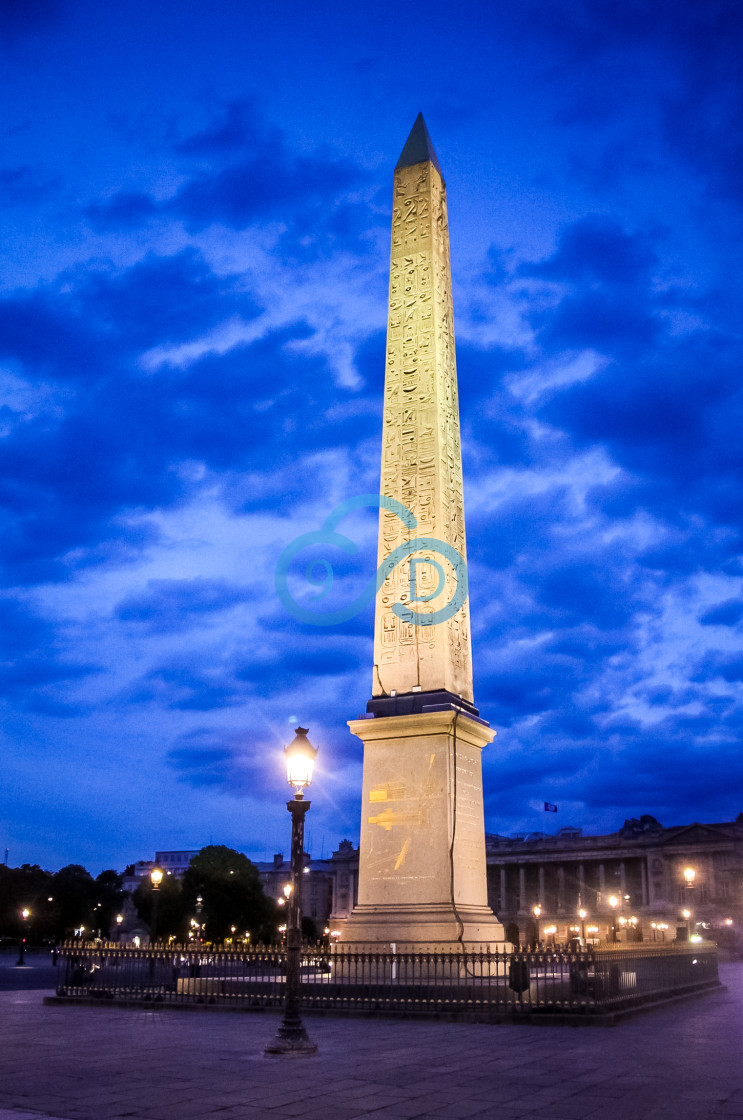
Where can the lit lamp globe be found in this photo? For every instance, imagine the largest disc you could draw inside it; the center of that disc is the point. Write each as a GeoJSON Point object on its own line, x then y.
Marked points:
{"type": "Point", "coordinates": [299, 757]}
{"type": "Point", "coordinates": [690, 875]}
{"type": "Point", "coordinates": [156, 877]}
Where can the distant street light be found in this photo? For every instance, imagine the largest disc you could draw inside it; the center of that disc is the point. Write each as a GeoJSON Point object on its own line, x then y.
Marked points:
{"type": "Point", "coordinates": [25, 915]}
{"type": "Point", "coordinates": [156, 877]}
{"type": "Point", "coordinates": [291, 1037]}
{"type": "Point", "coordinates": [613, 902]}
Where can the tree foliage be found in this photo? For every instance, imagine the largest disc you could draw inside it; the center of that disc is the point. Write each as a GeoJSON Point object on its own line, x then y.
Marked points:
{"type": "Point", "coordinates": [171, 909]}
{"type": "Point", "coordinates": [231, 893]}
{"type": "Point", "coordinates": [58, 903]}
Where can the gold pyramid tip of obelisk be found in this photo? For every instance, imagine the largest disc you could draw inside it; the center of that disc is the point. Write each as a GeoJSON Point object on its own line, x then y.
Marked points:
{"type": "Point", "coordinates": [418, 148]}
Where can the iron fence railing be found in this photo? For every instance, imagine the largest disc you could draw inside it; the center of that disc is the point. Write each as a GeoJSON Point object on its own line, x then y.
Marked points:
{"type": "Point", "coordinates": [483, 984]}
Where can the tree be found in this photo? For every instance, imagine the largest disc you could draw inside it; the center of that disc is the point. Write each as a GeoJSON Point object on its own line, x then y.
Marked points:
{"type": "Point", "coordinates": [171, 910]}
{"type": "Point", "coordinates": [74, 892]}
{"type": "Point", "coordinates": [109, 898]}
{"type": "Point", "coordinates": [231, 894]}
{"type": "Point", "coordinates": [26, 887]}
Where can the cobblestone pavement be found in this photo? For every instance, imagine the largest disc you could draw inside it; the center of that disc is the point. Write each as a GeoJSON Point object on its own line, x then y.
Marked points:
{"type": "Point", "coordinates": [74, 1063]}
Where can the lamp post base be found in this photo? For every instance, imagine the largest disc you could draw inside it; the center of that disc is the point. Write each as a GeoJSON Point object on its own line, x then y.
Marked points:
{"type": "Point", "coordinates": [291, 1039]}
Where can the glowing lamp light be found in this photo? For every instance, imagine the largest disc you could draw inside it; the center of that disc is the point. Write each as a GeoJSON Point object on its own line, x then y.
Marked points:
{"type": "Point", "coordinates": [686, 914]}
{"type": "Point", "coordinates": [25, 913]}
{"type": "Point", "coordinates": [119, 919]}
{"type": "Point", "coordinates": [287, 890]}
{"type": "Point", "coordinates": [690, 875]}
{"type": "Point", "coordinates": [696, 938]}
{"type": "Point", "coordinates": [592, 929]}
{"type": "Point", "coordinates": [728, 921]}
{"type": "Point", "coordinates": [300, 761]}
{"type": "Point", "coordinates": [156, 877]}
{"type": "Point", "coordinates": [551, 929]}
{"type": "Point", "coordinates": [613, 901]}
{"type": "Point", "coordinates": [536, 910]}
{"type": "Point", "coordinates": [582, 914]}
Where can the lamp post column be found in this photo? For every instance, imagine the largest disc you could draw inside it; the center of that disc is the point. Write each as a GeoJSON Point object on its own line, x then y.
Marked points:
{"type": "Point", "coordinates": [292, 1025]}
{"type": "Point", "coordinates": [291, 1037]}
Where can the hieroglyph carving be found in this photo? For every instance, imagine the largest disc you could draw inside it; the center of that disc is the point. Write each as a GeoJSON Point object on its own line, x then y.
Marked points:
{"type": "Point", "coordinates": [421, 456]}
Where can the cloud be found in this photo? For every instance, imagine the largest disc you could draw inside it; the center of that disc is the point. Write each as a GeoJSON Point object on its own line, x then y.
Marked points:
{"type": "Point", "coordinates": [23, 184]}
{"type": "Point", "coordinates": [250, 174]}
{"type": "Point", "coordinates": [218, 758]}
{"type": "Point", "coordinates": [32, 664]}
{"type": "Point", "coordinates": [728, 613]}
{"type": "Point", "coordinates": [170, 604]}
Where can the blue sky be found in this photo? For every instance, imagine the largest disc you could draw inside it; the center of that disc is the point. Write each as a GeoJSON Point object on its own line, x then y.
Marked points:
{"type": "Point", "coordinates": [194, 248]}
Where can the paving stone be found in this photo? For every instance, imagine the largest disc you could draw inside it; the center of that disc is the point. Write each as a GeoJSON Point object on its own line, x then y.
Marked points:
{"type": "Point", "coordinates": [108, 1063]}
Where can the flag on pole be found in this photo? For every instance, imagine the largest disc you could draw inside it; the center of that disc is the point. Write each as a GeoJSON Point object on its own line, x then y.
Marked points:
{"type": "Point", "coordinates": [549, 808]}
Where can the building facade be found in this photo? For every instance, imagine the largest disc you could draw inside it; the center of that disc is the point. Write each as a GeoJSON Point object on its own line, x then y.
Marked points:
{"type": "Point", "coordinates": [330, 887]}
{"type": "Point", "coordinates": [644, 882]}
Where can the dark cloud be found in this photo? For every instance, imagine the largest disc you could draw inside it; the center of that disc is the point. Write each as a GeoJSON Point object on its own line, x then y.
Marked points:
{"type": "Point", "coordinates": [178, 604]}
{"type": "Point", "coordinates": [23, 185]}
{"type": "Point", "coordinates": [237, 127]}
{"type": "Point", "coordinates": [595, 250]}
{"type": "Point", "coordinates": [725, 665]}
{"type": "Point", "coordinates": [124, 210]}
{"type": "Point", "coordinates": [727, 613]}
{"type": "Point", "coordinates": [185, 684]}
{"type": "Point", "coordinates": [250, 174]}
{"type": "Point", "coordinates": [209, 680]}
{"type": "Point", "coordinates": [213, 758]}
{"type": "Point", "coordinates": [32, 664]}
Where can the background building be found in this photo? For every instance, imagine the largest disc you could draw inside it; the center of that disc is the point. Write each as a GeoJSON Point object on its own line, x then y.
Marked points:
{"type": "Point", "coordinates": [645, 882]}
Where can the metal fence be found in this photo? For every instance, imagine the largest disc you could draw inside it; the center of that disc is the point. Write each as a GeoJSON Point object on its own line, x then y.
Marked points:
{"type": "Point", "coordinates": [484, 985]}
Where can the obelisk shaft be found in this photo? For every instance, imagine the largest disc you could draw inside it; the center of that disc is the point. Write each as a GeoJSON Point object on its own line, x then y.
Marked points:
{"type": "Point", "coordinates": [421, 455]}
{"type": "Point", "coordinates": [422, 869]}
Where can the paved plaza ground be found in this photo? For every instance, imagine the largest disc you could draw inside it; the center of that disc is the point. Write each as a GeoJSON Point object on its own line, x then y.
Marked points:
{"type": "Point", "coordinates": [683, 1062]}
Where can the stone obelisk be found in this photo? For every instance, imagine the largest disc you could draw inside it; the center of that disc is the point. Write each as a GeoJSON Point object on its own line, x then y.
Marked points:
{"type": "Point", "coordinates": [422, 872]}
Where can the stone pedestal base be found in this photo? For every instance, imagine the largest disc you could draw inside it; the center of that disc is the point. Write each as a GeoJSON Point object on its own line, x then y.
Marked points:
{"type": "Point", "coordinates": [422, 871]}
{"type": "Point", "coordinates": [411, 929]}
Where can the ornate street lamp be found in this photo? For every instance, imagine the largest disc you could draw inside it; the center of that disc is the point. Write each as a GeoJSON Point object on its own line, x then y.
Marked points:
{"type": "Point", "coordinates": [156, 878]}
{"type": "Point", "coordinates": [291, 1037]}
{"type": "Point", "coordinates": [25, 915]}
